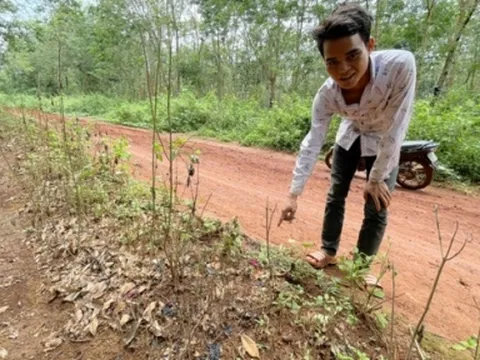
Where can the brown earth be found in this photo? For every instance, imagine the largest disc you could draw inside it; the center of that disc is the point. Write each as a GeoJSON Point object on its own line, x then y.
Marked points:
{"type": "Point", "coordinates": [238, 180]}
{"type": "Point", "coordinates": [27, 319]}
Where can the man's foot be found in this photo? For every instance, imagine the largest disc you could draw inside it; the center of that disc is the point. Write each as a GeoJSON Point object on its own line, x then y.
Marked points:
{"type": "Point", "coordinates": [319, 259]}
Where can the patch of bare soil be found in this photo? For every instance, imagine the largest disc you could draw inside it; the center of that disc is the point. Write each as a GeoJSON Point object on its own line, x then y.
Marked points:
{"type": "Point", "coordinates": [29, 322]}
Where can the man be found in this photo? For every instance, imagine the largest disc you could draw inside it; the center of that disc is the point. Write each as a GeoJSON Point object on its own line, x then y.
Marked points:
{"type": "Point", "coordinates": [373, 92]}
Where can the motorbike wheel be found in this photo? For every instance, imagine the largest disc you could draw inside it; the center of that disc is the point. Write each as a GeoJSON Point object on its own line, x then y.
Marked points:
{"type": "Point", "coordinates": [415, 174]}
{"type": "Point", "coordinates": [329, 158]}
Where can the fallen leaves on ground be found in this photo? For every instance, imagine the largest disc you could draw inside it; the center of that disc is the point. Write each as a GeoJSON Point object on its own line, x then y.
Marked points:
{"type": "Point", "coordinates": [52, 342]}
{"type": "Point", "coordinates": [250, 346]}
{"type": "Point", "coordinates": [128, 289]}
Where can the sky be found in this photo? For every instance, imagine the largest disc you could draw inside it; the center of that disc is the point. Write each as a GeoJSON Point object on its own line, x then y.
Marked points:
{"type": "Point", "coordinates": [26, 9]}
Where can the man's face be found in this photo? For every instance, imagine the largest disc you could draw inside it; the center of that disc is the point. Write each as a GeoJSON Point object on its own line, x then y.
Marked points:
{"type": "Point", "coordinates": [347, 60]}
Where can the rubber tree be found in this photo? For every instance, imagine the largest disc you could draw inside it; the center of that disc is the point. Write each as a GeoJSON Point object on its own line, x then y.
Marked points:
{"type": "Point", "coordinates": [466, 10]}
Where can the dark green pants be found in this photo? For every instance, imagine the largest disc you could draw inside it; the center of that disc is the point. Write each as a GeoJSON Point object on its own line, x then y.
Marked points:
{"type": "Point", "coordinates": [374, 222]}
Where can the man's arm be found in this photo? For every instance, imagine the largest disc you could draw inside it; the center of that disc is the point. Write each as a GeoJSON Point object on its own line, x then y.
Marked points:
{"type": "Point", "coordinates": [399, 109]}
{"type": "Point", "coordinates": [313, 142]}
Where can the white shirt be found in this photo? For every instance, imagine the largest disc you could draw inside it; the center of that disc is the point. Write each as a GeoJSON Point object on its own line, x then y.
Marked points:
{"type": "Point", "coordinates": [381, 117]}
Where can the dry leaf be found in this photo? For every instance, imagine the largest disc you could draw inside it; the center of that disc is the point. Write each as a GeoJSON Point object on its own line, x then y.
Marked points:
{"type": "Point", "coordinates": [126, 288]}
{"type": "Point", "coordinates": [155, 329]}
{"type": "Point", "coordinates": [133, 333]}
{"type": "Point", "coordinates": [142, 289]}
{"type": "Point", "coordinates": [147, 314]}
{"type": "Point", "coordinates": [96, 312]}
{"type": "Point", "coordinates": [114, 325]}
{"type": "Point", "coordinates": [72, 297]}
{"type": "Point", "coordinates": [100, 291]}
{"type": "Point", "coordinates": [250, 346]}
{"type": "Point", "coordinates": [13, 334]}
{"type": "Point", "coordinates": [125, 319]}
{"type": "Point", "coordinates": [93, 326]}
{"type": "Point", "coordinates": [219, 293]}
{"type": "Point", "coordinates": [3, 353]}
{"type": "Point", "coordinates": [78, 315]}
{"type": "Point", "coordinates": [120, 307]}
{"type": "Point", "coordinates": [3, 309]}
{"type": "Point", "coordinates": [52, 344]}
{"type": "Point", "coordinates": [107, 305]}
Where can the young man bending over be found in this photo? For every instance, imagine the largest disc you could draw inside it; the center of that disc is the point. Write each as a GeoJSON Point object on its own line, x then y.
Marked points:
{"type": "Point", "coordinates": [373, 92]}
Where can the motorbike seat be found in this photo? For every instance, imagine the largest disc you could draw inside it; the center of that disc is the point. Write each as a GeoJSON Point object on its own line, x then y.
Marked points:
{"type": "Point", "coordinates": [415, 145]}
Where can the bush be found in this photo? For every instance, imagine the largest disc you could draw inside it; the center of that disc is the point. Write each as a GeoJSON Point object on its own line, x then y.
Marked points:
{"type": "Point", "coordinates": [133, 114]}
{"type": "Point", "coordinates": [456, 128]}
{"type": "Point", "coordinates": [189, 114]}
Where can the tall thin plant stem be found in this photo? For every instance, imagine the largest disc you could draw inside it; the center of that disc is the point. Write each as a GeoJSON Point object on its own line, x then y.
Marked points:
{"type": "Point", "coordinates": [477, 348]}
{"type": "Point", "coordinates": [170, 208]}
{"type": "Point", "coordinates": [445, 258]}
{"type": "Point", "coordinates": [392, 316]}
{"type": "Point", "coordinates": [153, 99]}
{"type": "Point", "coordinates": [268, 226]}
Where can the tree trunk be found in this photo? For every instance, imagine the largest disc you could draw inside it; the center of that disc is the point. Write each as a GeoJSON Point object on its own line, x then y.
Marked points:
{"type": "Point", "coordinates": [378, 18]}
{"type": "Point", "coordinates": [272, 79]}
{"type": "Point", "coordinates": [59, 67]}
{"type": "Point", "coordinates": [177, 46]}
{"type": "Point", "coordinates": [300, 21]}
{"type": "Point", "coordinates": [219, 68]}
{"type": "Point", "coordinates": [476, 61]}
{"type": "Point", "coordinates": [427, 22]}
{"type": "Point", "coordinates": [451, 52]}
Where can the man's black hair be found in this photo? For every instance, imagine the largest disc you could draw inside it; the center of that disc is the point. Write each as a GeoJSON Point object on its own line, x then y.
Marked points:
{"type": "Point", "coordinates": [346, 20]}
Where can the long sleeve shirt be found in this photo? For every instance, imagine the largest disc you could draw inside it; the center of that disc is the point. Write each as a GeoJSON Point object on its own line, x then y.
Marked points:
{"type": "Point", "coordinates": [381, 117]}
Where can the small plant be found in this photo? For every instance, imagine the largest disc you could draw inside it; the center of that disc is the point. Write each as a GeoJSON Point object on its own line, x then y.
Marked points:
{"type": "Point", "coordinates": [468, 344]}
{"type": "Point", "coordinates": [291, 298]}
{"type": "Point", "coordinates": [381, 319]}
{"type": "Point", "coordinates": [357, 355]}
{"type": "Point", "coordinates": [356, 268]}
{"type": "Point", "coordinates": [232, 238]}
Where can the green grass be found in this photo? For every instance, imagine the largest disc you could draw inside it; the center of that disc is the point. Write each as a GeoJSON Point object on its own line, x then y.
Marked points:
{"type": "Point", "coordinates": [454, 122]}
{"type": "Point", "coordinates": [437, 345]}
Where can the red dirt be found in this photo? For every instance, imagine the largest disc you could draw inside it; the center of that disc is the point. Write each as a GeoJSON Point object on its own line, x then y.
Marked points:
{"type": "Point", "coordinates": [240, 179]}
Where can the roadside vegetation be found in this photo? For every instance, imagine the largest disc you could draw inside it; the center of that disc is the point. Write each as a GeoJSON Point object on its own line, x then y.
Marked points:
{"type": "Point", "coordinates": [156, 271]}
{"type": "Point", "coordinates": [453, 123]}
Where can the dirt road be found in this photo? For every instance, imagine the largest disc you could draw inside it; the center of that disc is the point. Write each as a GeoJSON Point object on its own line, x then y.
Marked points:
{"type": "Point", "coordinates": [240, 179]}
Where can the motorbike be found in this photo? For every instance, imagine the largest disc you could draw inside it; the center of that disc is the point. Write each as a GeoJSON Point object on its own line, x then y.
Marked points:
{"type": "Point", "coordinates": [416, 166]}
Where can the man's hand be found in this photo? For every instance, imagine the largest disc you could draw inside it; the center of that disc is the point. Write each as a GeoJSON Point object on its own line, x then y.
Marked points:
{"type": "Point", "coordinates": [379, 193]}
{"type": "Point", "coordinates": [288, 213]}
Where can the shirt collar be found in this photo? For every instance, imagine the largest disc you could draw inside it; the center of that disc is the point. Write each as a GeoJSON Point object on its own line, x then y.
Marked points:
{"type": "Point", "coordinates": [373, 67]}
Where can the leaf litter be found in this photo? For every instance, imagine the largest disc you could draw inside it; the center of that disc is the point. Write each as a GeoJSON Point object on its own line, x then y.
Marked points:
{"type": "Point", "coordinates": [126, 289]}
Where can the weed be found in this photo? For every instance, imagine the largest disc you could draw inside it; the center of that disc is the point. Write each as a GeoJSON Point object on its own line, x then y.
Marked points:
{"type": "Point", "coordinates": [291, 298]}
{"type": "Point", "coordinates": [232, 238]}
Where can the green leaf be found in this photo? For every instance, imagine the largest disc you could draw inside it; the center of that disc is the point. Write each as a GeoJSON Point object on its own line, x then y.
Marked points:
{"type": "Point", "coordinates": [158, 150]}
{"type": "Point", "coordinates": [378, 293]}
{"type": "Point", "coordinates": [470, 343]}
{"type": "Point", "coordinates": [458, 347]}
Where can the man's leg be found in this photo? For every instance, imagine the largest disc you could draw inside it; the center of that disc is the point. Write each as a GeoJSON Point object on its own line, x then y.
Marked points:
{"type": "Point", "coordinates": [374, 222]}
{"type": "Point", "coordinates": [343, 168]}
